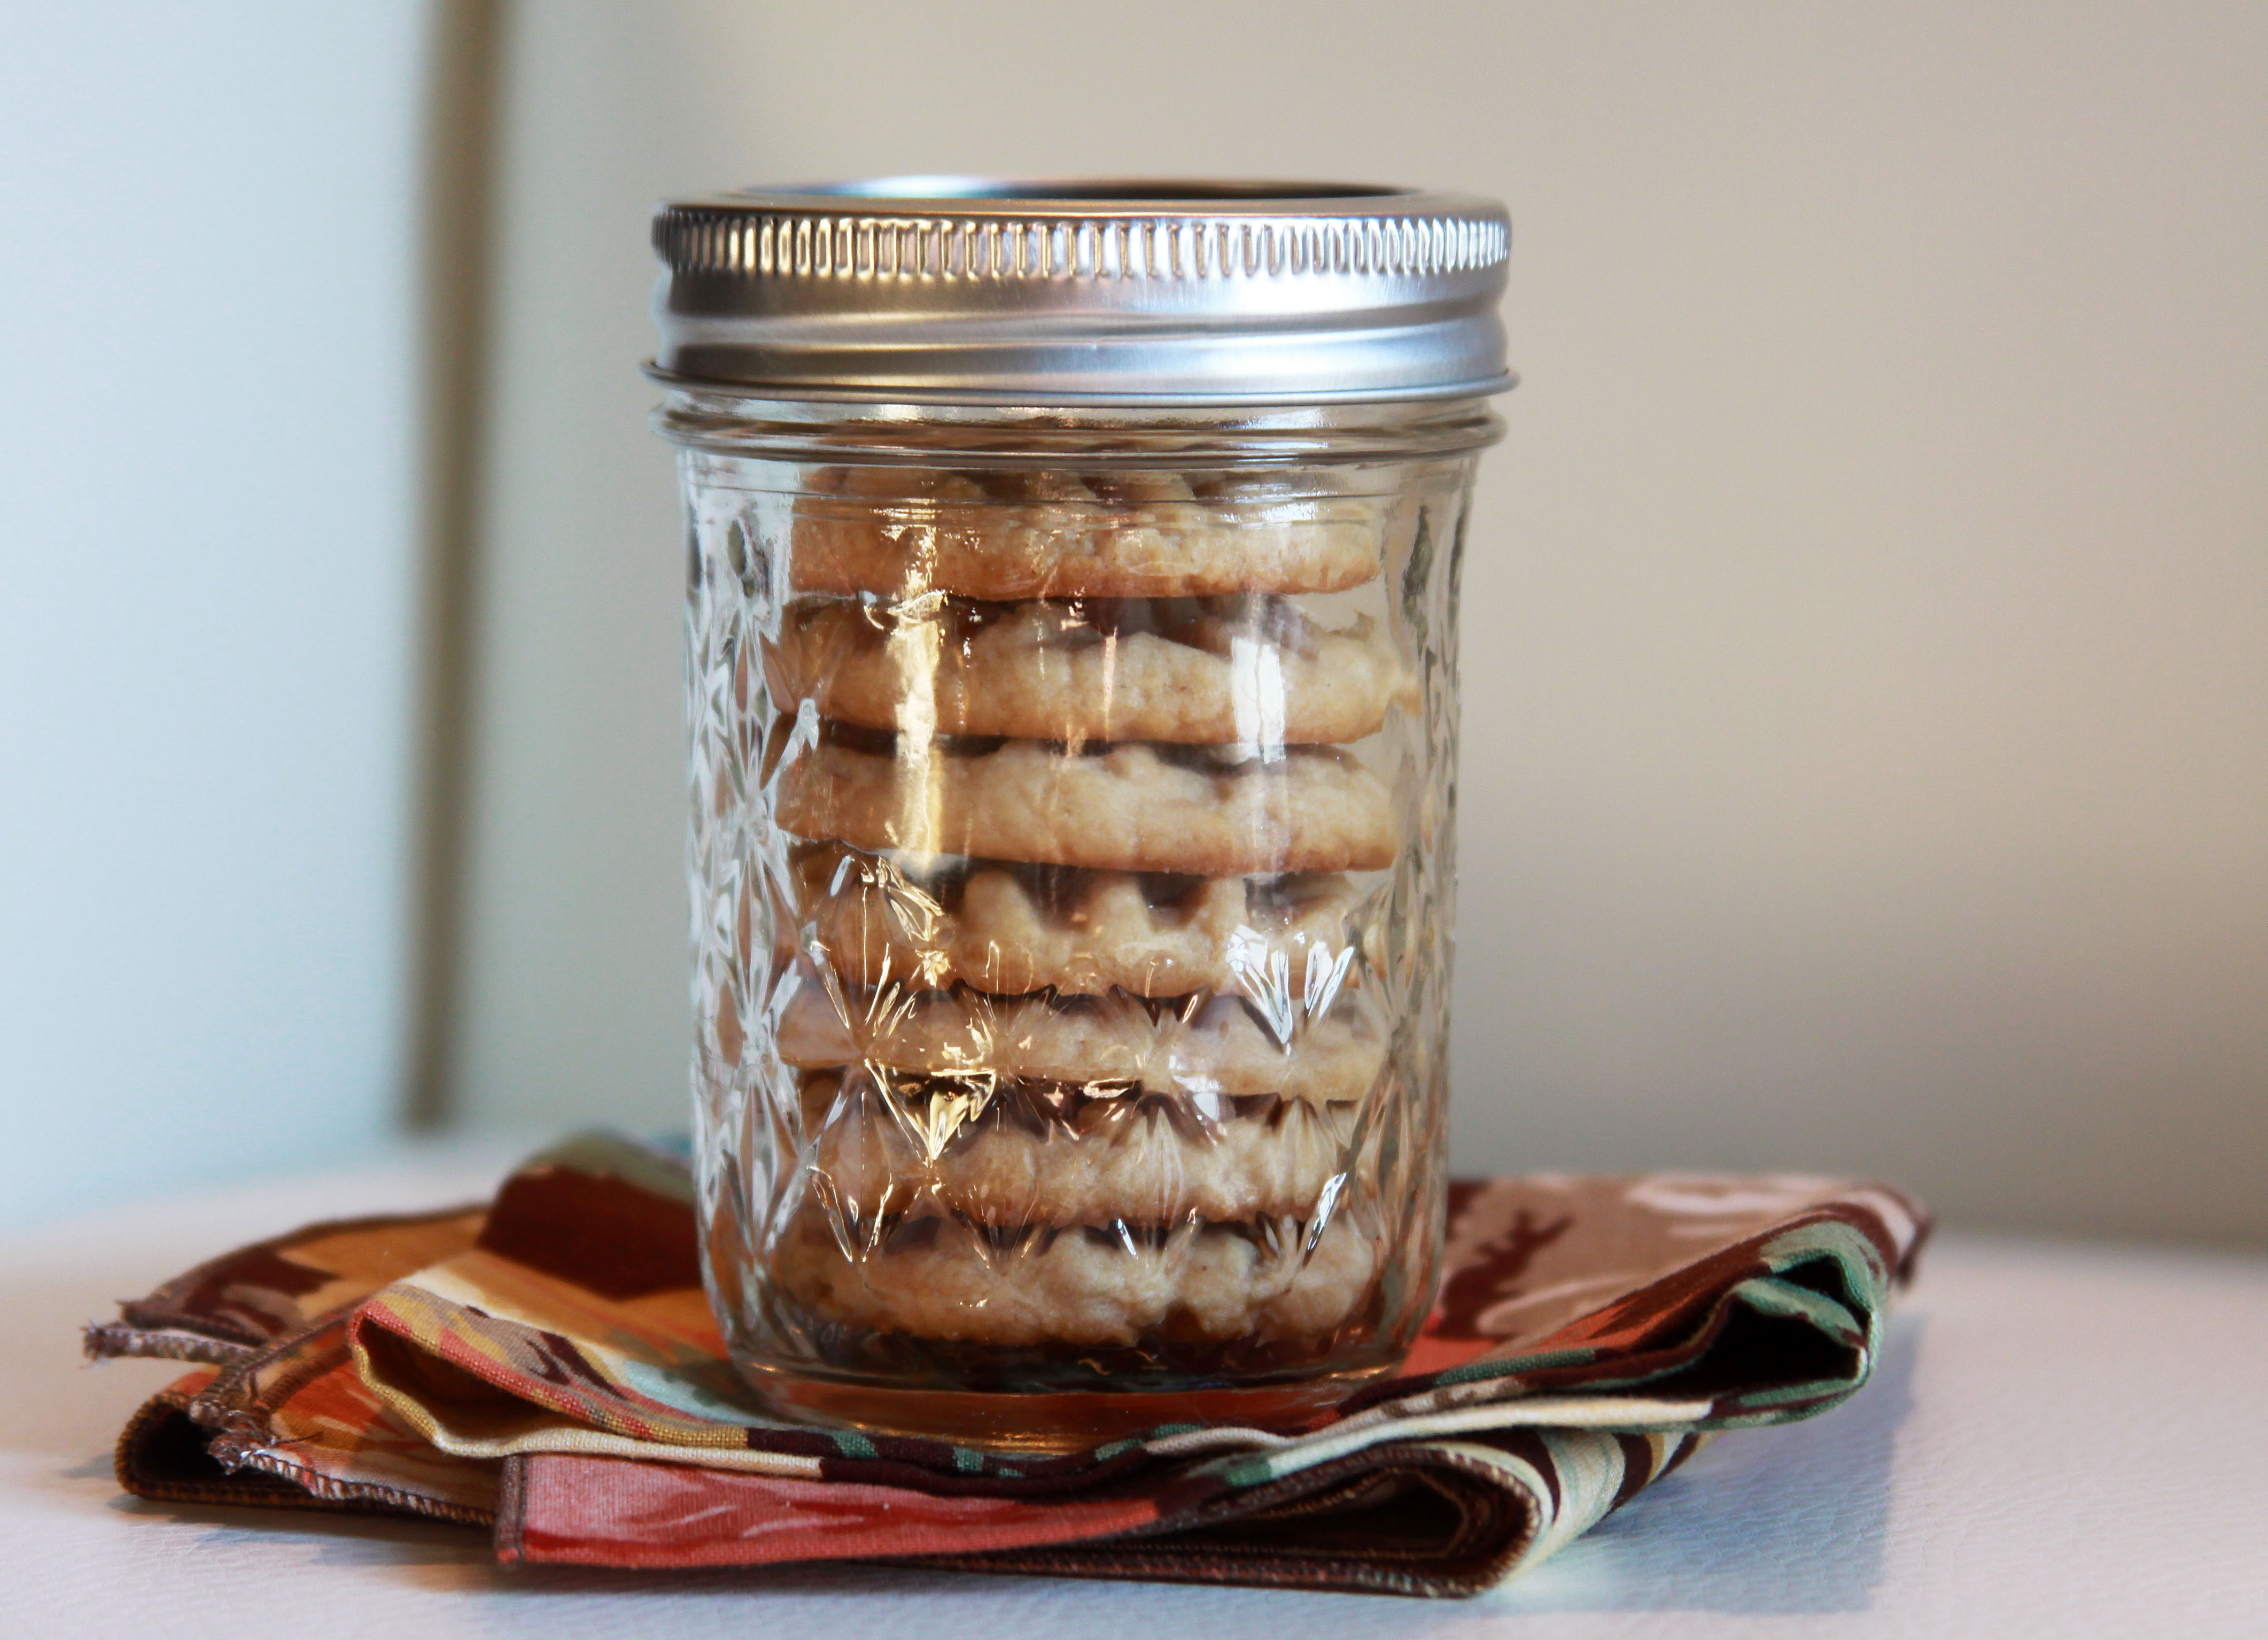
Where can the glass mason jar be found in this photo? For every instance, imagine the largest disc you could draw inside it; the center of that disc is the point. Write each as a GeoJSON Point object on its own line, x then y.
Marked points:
{"type": "Point", "coordinates": [1072, 661]}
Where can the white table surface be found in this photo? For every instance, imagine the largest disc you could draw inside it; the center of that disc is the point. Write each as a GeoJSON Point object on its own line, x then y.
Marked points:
{"type": "Point", "coordinates": [2063, 1440]}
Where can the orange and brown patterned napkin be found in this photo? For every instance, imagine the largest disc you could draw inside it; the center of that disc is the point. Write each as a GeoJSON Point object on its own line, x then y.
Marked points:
{"type": "Point", "coordinates": [546, 1367]}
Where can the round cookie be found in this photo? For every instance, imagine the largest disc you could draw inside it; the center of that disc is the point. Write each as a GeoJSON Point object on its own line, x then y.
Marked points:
{"type": "Point", "coordinates": [1123, 808]}
{"type": "Point", "coordinates": [1051, 1155]}
{"type": "Point", "coordinates": [936, 1279]}
{"type": "Point", "coordinates": [1006, 536]}
{"type": "Point", "coordinates": [1220, 1049]}
{"type": "Point", "coordinates": [1201, 671]}
{"type": "Point", "coordinates": [1014, 928]}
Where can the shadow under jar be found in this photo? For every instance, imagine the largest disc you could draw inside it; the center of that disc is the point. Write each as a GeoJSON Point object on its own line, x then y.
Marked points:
{"type": "Point", "coordinates": [1073, 584]}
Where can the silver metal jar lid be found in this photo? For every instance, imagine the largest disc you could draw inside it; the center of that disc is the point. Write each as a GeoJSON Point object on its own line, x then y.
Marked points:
{"type": "Point", "coordinates": [963, 289]}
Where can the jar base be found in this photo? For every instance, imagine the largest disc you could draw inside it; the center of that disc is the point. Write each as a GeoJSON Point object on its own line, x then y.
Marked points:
{"type": "Point", "coordinates": [1063, 1421]}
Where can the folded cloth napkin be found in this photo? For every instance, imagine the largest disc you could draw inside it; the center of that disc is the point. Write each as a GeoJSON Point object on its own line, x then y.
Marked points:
{"type": "Point", "coordinates": [546, 1366]}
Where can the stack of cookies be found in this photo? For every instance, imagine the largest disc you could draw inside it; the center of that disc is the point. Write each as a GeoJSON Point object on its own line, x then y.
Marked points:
{"type": "Point", "coordinates": [1086, 1065]}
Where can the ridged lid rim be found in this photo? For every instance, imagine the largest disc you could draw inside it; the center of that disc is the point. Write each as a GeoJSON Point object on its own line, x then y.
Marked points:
{"type": "Point", "coordinates": [1080, 292]}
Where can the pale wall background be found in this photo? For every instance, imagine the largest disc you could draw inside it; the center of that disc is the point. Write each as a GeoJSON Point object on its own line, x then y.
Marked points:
{"type": "Point", "coordinates": [1865, 755]}
{"type": "Point", "coordinates": [208, 548]}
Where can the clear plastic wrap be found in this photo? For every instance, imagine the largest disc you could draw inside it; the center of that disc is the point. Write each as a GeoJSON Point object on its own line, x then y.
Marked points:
{"type": "Point", "coordinates": [1071, 859]}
